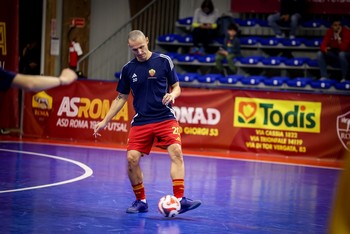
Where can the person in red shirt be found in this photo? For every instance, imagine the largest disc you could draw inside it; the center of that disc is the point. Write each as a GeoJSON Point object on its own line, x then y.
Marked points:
{"type": "Point", "coordinates": [335, 47]}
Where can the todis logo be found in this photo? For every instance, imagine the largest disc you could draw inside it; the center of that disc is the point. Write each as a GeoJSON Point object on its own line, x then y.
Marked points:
{"type": "Point", "coordinates": [246, 112]}
{"type": "Point", "coordinates": [277, 114]}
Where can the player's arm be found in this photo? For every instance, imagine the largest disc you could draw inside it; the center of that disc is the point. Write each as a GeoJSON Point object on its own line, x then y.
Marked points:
{"type": "Point", "coordinates": [38, 83]}
{"type": "Point", "coordinates": [175, 92]}
{"type": "Point", "coordinates": [116, 106]}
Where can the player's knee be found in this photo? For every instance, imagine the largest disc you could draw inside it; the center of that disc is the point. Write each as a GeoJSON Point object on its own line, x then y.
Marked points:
{"type": "Point", "coordinates": [132, 158]}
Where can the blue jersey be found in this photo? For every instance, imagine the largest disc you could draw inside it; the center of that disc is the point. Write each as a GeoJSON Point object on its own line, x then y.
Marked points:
{"type": "Point", "coordinates": [148, 82]}
{"type": "Point", "coordinates": [6, 79]}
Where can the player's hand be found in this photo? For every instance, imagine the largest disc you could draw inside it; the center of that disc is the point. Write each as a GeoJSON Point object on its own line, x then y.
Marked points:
{"type": "Point", "coordinates": [67, 76]}
{"type": "Point", "coordinates": [98, 127]}
{"type": "Point", "coordinates": [168, 98]}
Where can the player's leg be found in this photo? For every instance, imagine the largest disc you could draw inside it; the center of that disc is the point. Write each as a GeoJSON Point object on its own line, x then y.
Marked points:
{"type": "Point", "coordinates": [139, 143]}
{"type": "Point", "coordinates": [168, 136]}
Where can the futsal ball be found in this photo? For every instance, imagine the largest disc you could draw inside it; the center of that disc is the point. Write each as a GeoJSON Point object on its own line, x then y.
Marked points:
{"type": "Point", "coordinates": [169, 206]}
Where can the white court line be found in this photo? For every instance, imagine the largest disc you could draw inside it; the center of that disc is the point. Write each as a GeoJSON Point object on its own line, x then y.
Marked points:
{"type": "Point", "coordinates": [88, 171]}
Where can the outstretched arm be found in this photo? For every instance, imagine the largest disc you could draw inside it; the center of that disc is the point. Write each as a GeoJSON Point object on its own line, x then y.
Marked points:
{"type": "Point", "coordinates": [116, 106]}
{"type": "Point", "coordinates": [38, 83]}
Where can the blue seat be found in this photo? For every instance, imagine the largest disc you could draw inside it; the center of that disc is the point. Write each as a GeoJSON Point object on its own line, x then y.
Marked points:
{"type": "Point", "coordinates": [172, 55]}
{"type": "Point", "coordinates": [245, 22]}
{"type": "Point", "coordinates": [299, 82]}
{"type": "Point", "coordinates": [342, 85]}
{"type": "Point", "coordinates": [346, 22]}
{"type": "Point", "coordinates": [296, 62]}
{"type": "Point", "coordinates": [251, 59]}
{"type": "Point", "coordinates": [322, 84]}
{"type": "Point", "coordinates": [275, 81]}
{"type": "Point", "coordinates": [209, 58]}
{"type": "Point", "coordinates": [185, 58]}
{"type": "Point", "coordinates": [293, 42]}
{"type": "Point", "coordinates": [168, 37]}
{"type": "Point", "coordinates": [185, 39]}
{"type": "Point", "coordinates": [312, 62]}
{"type": "Point", "coordinates": [315, 23]}
{"type": "Point", "coordinates": [185, 21]}
{"type": "Point", "coordinates": [273, 61]}
{"type": "Point", "coordinates": [117, 75]}
{"type": "Point", "coordinates": [209, 78]}
{"type": "Point", "coordinates": [230, 79]}
{"type": "Point", "coordinates": [249, 40]}
{"type": "Point", "coordinates": [262, 22]}
{"type": "Point", "coordinates": [272, 41]}
{"type": "Point", "coordinates": [188, 77]}
{"type": "Point", "coordinates": [315, 42]}
{"type": "Point", "coordinates": [252, 80]}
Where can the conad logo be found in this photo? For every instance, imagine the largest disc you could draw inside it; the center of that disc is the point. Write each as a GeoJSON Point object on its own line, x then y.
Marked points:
{"type": "Point", "coordinates": [277, 114]}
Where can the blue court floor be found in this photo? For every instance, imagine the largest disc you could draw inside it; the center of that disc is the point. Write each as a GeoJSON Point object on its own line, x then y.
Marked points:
{"type": "Point", "coordinates": [50, 188]}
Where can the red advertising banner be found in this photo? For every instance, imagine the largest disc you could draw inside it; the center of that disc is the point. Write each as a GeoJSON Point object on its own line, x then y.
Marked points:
{"type": "Point", "coordinates": [313, 6]}
{"type": "Point", "coordinates": [71, 112]}
{"type": "Point", "coordinates": [9, 61]}
{"type": "Point", "coordinates": [278, 123]}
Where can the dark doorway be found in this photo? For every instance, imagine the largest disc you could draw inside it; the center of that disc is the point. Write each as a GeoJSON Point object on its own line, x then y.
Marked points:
{"type": "Point", "coordinates": [30, 27]}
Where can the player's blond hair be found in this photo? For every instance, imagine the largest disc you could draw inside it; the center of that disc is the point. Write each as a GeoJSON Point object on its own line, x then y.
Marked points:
{"type": "Point", "coordinates": [135, 34]}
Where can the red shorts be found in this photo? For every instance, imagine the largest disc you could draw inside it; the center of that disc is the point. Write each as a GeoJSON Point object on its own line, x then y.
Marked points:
{"type": "Point", "coordinates": [163, 134]}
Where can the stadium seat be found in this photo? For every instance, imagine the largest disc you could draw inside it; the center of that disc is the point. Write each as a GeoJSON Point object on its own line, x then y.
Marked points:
{"type": "Point", "coordinates": [312, 62]}
{"type": "Point", "coordinates": [185, 21]}
{"type": "Point", "coordinates": [293, 42]}
{"type": "Point", "coordinates": [185, 58]}
{"type": "Point", "coordinates": [342, 85]}
{"type": "Point", "coordinates": [273, 41]}
{"type": "Point", "coordinates": [300, 82]}
{"type": "Point", "coordinates": [252, 80]}
{"type": "Point", "coordinates": [188, 77]}
{"type": "Point", "coordinates": [315, 42]}
{"type": "Point", "coordinates": [315, 23]}
{"type": "Point", "coordinates": [262, 22]}
{"type": "Point", "coordinates": [273, 61]}
{"type": "Point", "coordinates": [117, 75]}
{"type": "Point", "coordinates": [251, 59]}
{"type": "Point", "coordinates": [185, 39]}
{"type": "Point", "coordinates": [167, 37]}
{"type": "Point", "coordinates": [275, 81]}
{"type": "Point", "coordinates": [245, 22]}
{"type": "Point", "coordinates": [322, 84]}
{"type": "Point", "coordinates": [208, 78]}
{"type": "Point", "coordinates": [249, 40]}
{"type": "Point", "coordinates": [172, 55]}
{"type": "Point", "coordinates": [230, 79]}
{"type": "Point", "coordinates": [209, 58]}
{"type": "Point", "coordinates": [296, 62]}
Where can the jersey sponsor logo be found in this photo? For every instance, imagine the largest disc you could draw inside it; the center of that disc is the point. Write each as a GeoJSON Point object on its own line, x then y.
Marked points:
{"type": "Point", "coordinates": [277, 114]}
{"type": "Point", "coordinates": [343, 129]}
{"type": "Point", "coordinates": [134, 78]}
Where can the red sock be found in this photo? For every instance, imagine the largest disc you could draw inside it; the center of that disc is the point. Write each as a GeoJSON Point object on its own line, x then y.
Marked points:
{"type": "Point", "coordinates": [179, 187]}
{"type": "Point", "coordinates": [139, 191]}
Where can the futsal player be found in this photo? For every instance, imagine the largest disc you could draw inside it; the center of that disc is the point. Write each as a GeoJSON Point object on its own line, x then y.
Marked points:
{"type": "Point", "coordinates": [154, 84]}
{"type": "Point", "coordinates": [35, 83]}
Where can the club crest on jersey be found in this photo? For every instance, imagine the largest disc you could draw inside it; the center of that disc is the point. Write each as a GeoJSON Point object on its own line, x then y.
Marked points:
{"type": "Point", "coordinates": [152, 72]}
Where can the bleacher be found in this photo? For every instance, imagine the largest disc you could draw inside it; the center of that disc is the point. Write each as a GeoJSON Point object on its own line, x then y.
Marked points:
{"type": "Point", "coordinates": [267, 63]}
